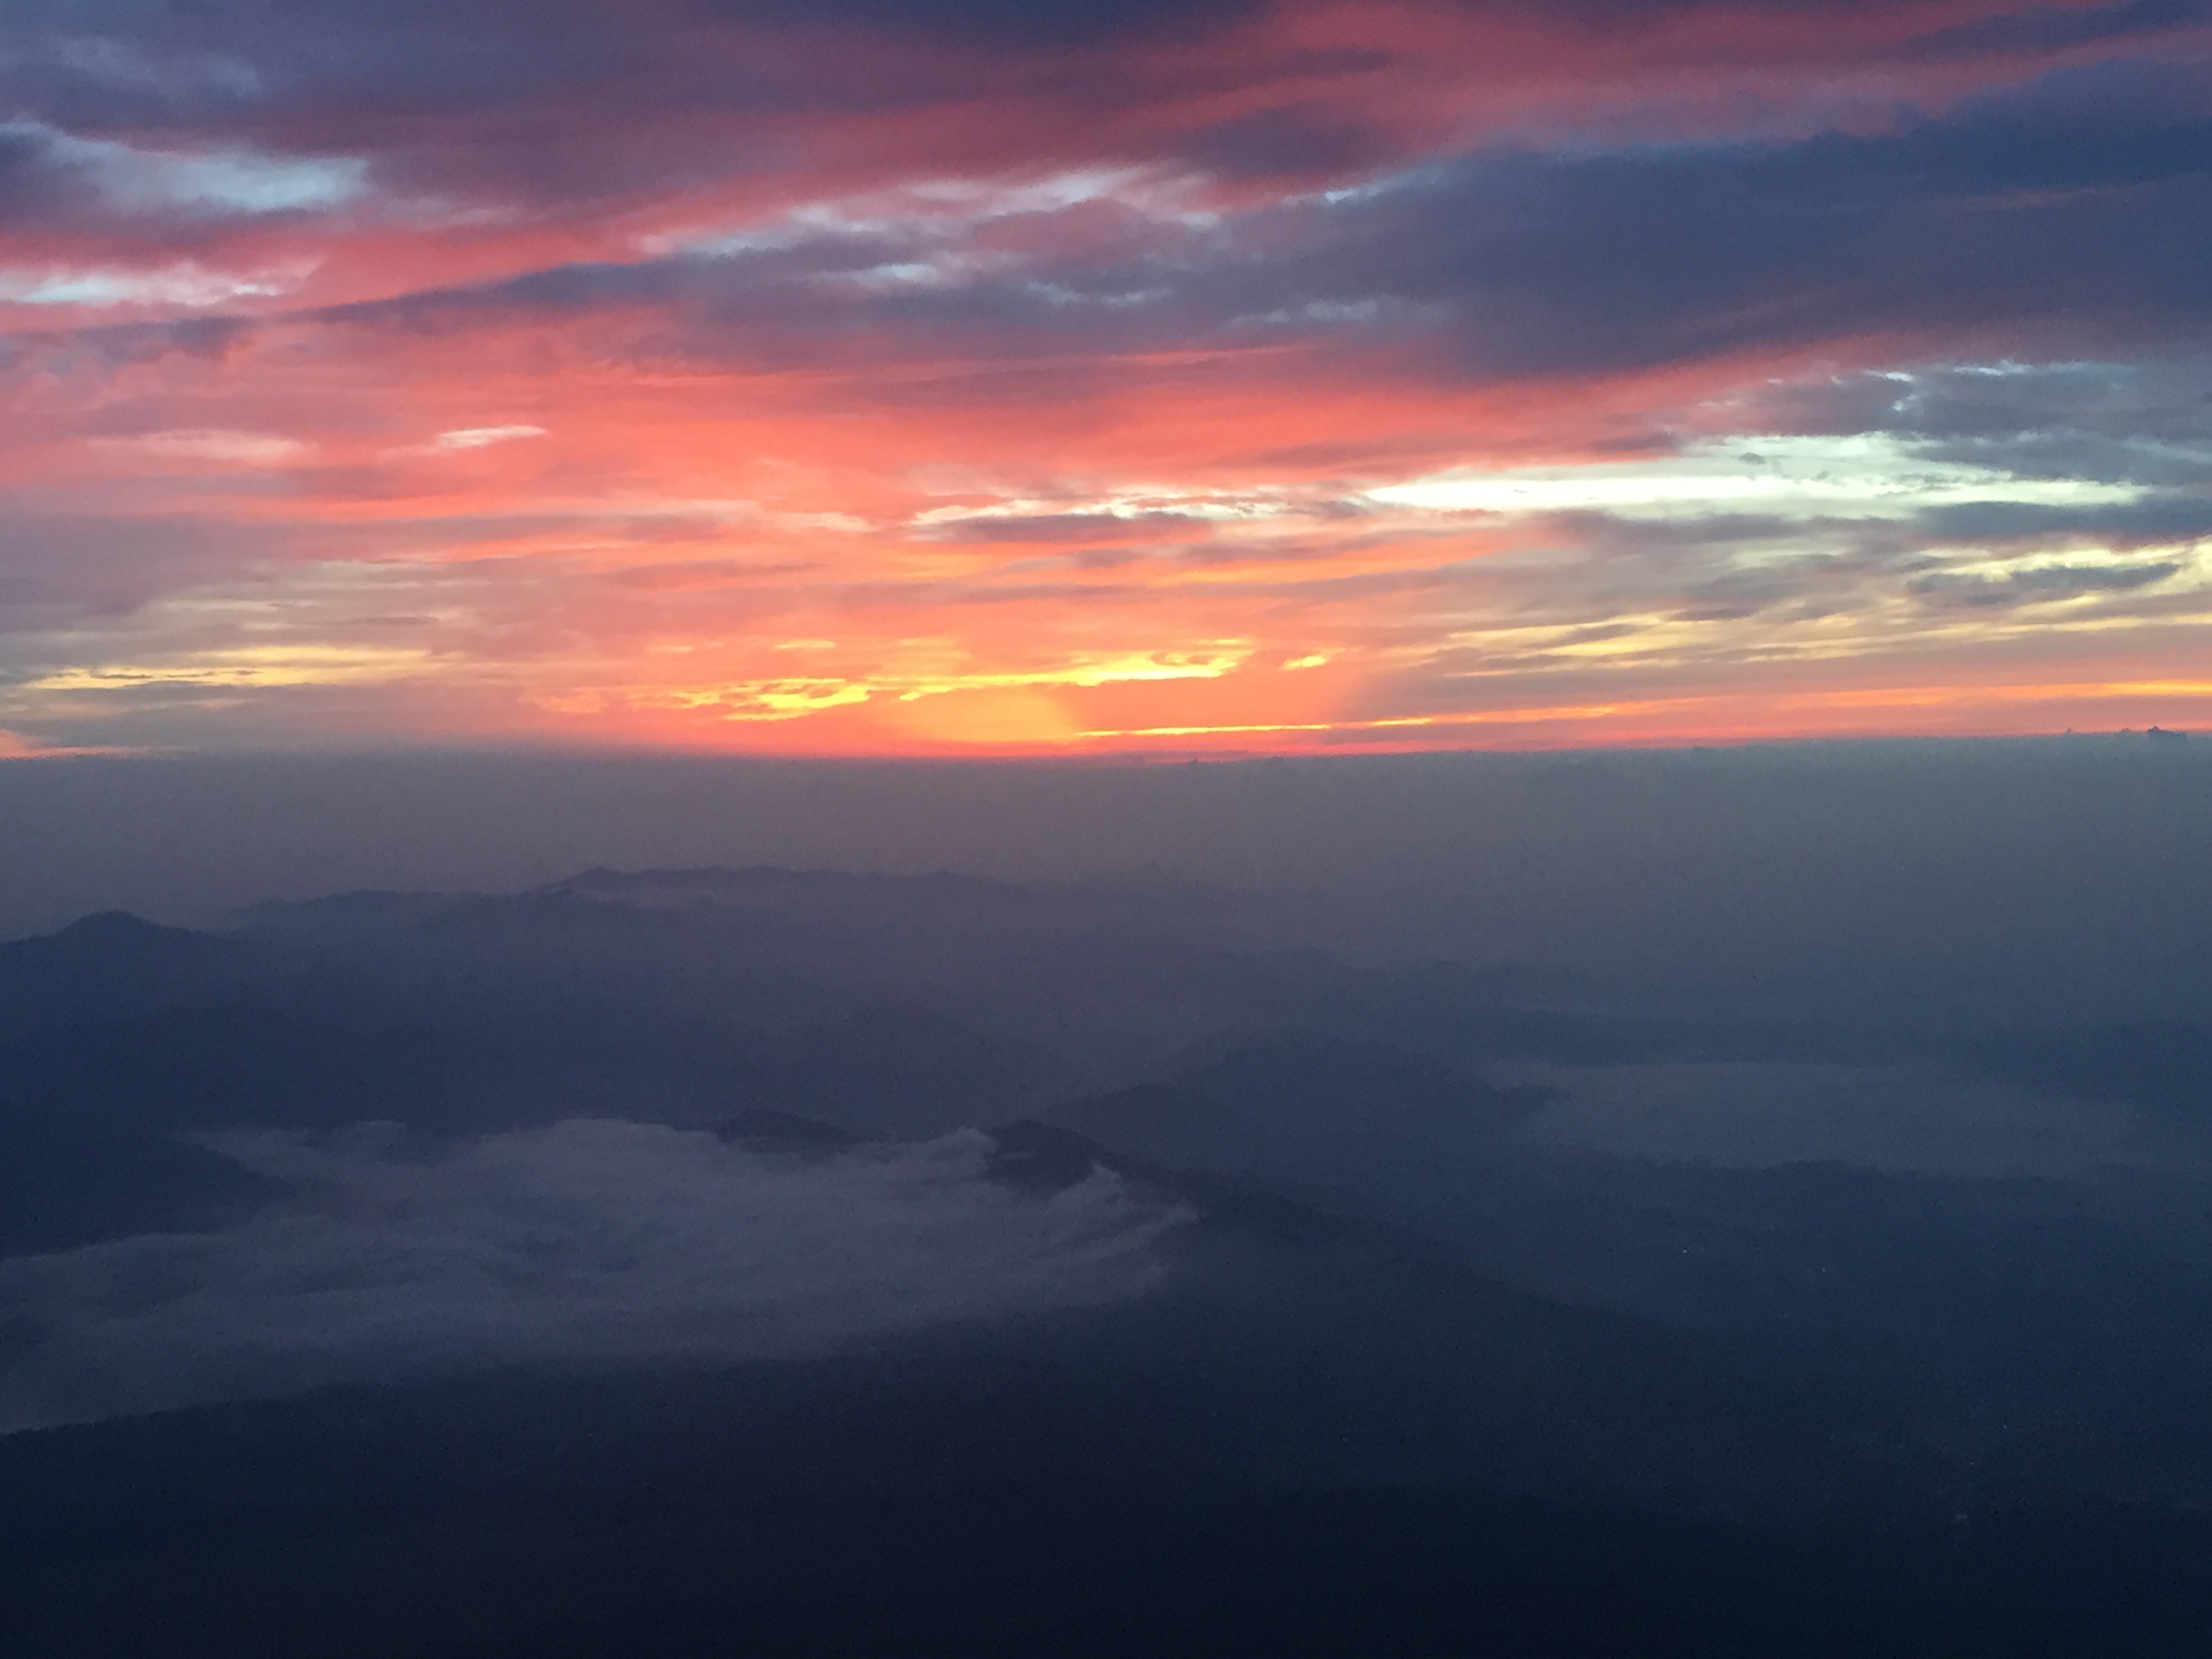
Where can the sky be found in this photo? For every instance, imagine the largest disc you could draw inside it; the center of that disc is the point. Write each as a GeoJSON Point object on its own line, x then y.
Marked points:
{"type": "Point", "coordinates": [882, 378]}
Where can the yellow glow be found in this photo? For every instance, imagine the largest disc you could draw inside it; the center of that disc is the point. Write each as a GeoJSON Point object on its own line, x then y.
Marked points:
{"type": "Point", "coordinates": [1014, 716]}
{"type": "Point", "coordinates": [793, 697]}
{"type": "Point", "coordinates": [1222, 731]}
{"type": "Point", "coordinates": [246, 666]}
{"type": "Point", "coordinates": [1085, 671]}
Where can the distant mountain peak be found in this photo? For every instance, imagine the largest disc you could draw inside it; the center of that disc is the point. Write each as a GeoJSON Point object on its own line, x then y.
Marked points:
{"type": "Point", "coordinates": [103, 962]}
{"type": "Point", "coordinates": [778, 885]}
{"type": "Point", "coordinates": [120, 924]}
{"type": "Point", "coordinates": [106, 929]}
{"type": "Point", "coordinates": [1031, 1157]}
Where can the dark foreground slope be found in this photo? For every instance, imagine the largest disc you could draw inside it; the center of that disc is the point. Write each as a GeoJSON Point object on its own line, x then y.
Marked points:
{"type": "Point", "coordinates": [1317, 1436]}
{"type": "Point", "coordinates": [773, 1516]}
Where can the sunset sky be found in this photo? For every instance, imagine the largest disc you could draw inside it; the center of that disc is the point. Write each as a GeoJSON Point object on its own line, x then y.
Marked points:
{"type": "Point", "coordinates": [975, 376]}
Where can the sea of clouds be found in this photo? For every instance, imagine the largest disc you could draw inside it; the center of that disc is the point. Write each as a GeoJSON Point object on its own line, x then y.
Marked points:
{"type": "Point", "coordinates": [588, 1241]}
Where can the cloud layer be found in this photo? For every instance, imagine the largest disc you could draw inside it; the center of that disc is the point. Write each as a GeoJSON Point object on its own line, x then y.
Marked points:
{"type": "Point", "coordinates": [587, 1242]}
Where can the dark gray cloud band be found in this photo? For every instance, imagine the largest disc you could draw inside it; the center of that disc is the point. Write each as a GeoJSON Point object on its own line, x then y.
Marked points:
{"type": "Point", "coordinates": [2025, 226]}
